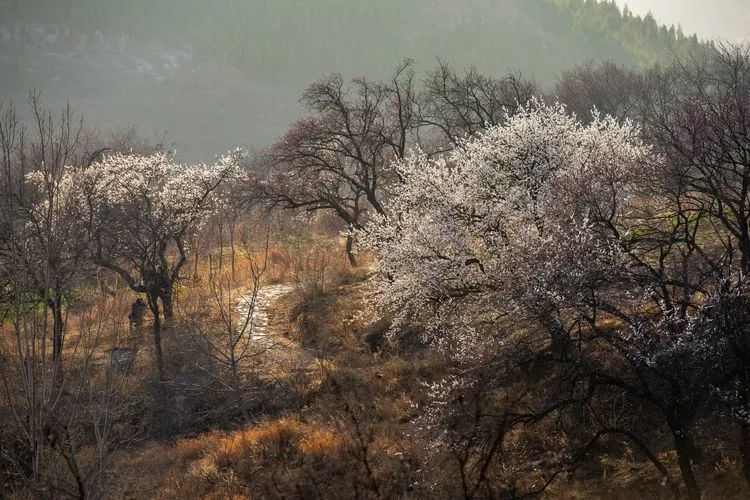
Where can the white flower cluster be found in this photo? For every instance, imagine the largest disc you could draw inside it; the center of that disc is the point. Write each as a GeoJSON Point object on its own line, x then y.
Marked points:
{"type": "Point", "coordinates": [171, 198]}
{"type": "Point", "coordinates": [505, 220]}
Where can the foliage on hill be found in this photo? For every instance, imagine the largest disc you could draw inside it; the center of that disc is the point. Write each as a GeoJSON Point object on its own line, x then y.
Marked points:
{"type": "Point", "coordinates": [299, 40]}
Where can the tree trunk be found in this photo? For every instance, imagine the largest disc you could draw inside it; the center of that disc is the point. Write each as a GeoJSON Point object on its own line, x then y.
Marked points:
{"type": "Point", "coordinates": [745, 451]}
{"type": "Point", "coordinates": [70, 457]}
{"type": "Point", "coordinates": [559, 340]}
{"type": "Point", "coordinates": [233, 253]}
{"type": "Point", "coordinates": [237, 388]}
{"type": "Point", "coordinates": [741, 350]}
{"type": "Point", "coordinates": [166, 301]}
{"type": "Point", "coordinates": [350, 251]}
{"type": "Point", "coordinates": [744, 427]}
{"type": "Point", "coordinates": [154, 306]}
{"type": "Point", "coordinates": [685, 452]}
{"type": "Point", "coordinates": [57, 331]}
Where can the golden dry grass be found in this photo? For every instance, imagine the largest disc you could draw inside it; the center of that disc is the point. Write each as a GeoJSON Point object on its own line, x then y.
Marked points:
{"type": "Point", "coordinates": [217, 464]}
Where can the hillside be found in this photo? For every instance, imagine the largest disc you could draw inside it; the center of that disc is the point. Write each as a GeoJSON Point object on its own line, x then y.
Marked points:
{"type": "Point", "coordinates": [501, 252]}
{"type": "Point", "coordinates": [241, 64]}
{"type": "Point", "coordinates": [298, 40]}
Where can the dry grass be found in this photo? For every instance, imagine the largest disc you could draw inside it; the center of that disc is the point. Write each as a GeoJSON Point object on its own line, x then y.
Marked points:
{"type": "Point", "coordinates": [314, 415]}
{"type": "Point", "coordinates": [314, 451]}
{"type": "Point", "coordinates": [217, 465]}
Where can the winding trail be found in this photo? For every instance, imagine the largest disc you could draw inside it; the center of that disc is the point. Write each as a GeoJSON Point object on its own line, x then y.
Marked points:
{"type": "Point", "coordinates": [283, 355]}
{"type": "Point", "coordinates": [262, 327]}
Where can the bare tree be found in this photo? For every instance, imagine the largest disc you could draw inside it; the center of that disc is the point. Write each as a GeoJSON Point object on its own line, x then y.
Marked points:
{"type": "Point", "coordinates": [607, 87]}
{"type": "Point", "coordinates": [338, 158]}
{"type": "Point", "coordinates": [699, 116]}
{"type": "Point", "coordinates": [47, 416]}
{"type": "Point", "coordinates": [43, 265]}
{"type": "Point", "coordinates": [38, 215]}
{"type": "Point", "coordinates": [225, 327]}
{"type": "Point", "coordinates": [453, 106]}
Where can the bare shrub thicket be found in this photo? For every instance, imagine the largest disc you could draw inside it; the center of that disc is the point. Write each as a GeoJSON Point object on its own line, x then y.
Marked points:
{"type": "Point", "coordinates": [225, 323]}
{"type": "Point", "coordinates": [62, 392]}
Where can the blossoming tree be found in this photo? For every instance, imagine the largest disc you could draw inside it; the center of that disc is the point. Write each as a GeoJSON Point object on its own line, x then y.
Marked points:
{"type": "Point", "coordinates": [139, 212]}
{"type": "Point", "coordinates": [543, 220]}
{"type": "Point", "coordinates": [509, 214]}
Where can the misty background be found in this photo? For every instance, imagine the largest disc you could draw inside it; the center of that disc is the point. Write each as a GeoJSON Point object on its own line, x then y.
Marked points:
{"type": "Point", "coordinates": [717, 19]}
{"type": "Point", "coordinates": [208, 76]}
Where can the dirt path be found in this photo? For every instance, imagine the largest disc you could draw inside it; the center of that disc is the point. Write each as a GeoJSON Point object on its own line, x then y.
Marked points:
{"type": "Point", "coordinates": [263, 327]}
{"type": "Point", "coordinates": [283, 356]}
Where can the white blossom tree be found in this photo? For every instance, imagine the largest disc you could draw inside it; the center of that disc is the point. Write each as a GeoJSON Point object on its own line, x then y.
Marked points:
{"type": "Point", "coordinates": [557, 225]}
{"type": "Point", "coordinates": [509, 215]}
{"type": "Point", "coordinates": [140, 211]}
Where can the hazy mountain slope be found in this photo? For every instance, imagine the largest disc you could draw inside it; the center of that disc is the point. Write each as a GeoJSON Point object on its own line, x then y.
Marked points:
{"type": "Point", "coordinates": [217, 73]}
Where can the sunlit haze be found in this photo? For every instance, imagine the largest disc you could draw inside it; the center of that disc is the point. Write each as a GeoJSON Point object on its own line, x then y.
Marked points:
{"type": "Point", "coordinates": [715, 19]}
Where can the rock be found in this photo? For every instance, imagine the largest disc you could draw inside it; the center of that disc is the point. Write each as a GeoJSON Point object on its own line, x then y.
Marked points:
{"type": "Point", "coordinates": [375, 336]}
{"type": "Point", "coordinates": [123, 355]}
